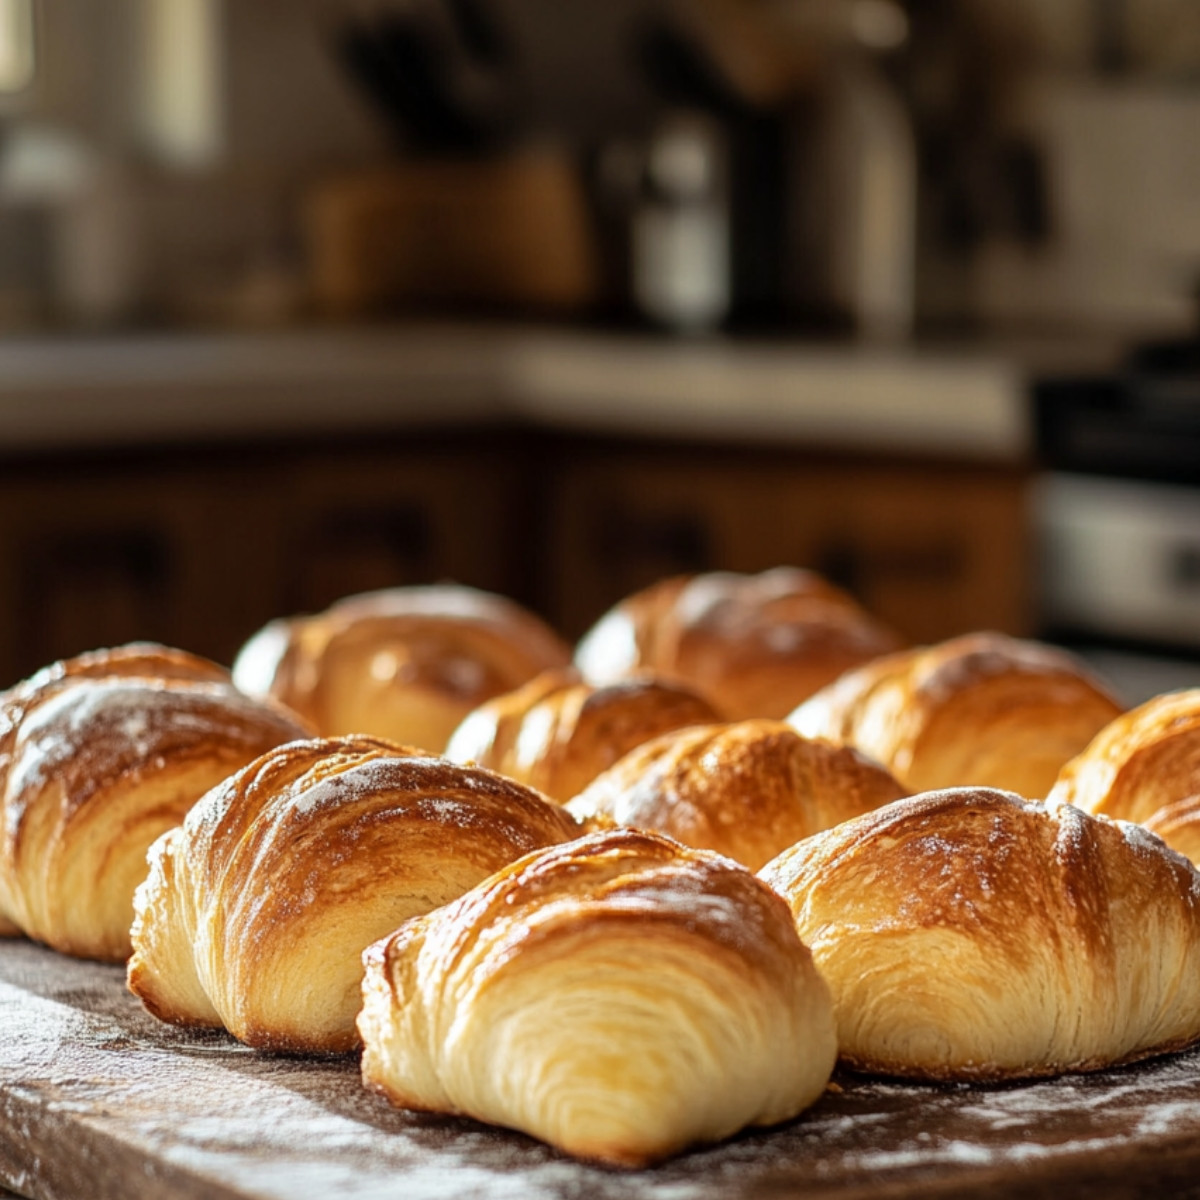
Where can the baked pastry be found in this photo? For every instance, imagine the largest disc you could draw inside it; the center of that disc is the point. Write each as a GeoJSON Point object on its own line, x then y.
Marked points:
{"type": "Point", "coordinates": [257, 909]}
{"type": "Point", "coordinates": [968, 934]}
{"type": "Point", "coordinates": [1139, 763]}
{"type": "Point", "coordinates": [98, 756]}
{"type": "Point", "coordinates": [620, 997]}
{"type": "Point", "coordinates": [980, 709]}
{"type": "Point", "coordinates": [406, 664]}
{"type": "Point", "coordinates": [557, 733]}
{"type": "Point", "coordinates": [747, 790]}
{"type": "Point", "coordinates": [754, 645]}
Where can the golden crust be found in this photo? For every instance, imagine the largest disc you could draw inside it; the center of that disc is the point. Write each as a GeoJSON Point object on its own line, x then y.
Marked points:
{"type": "Point", "coordinates": [620, 997]}
{"type": "Point", "coordinates": [1141, 762]}
{"type": "Point", "coordinates": [406, 664]}
{"type": "Point", "coordinates": [557, 734]}
{"type": "Point", "coordinates": [754, 645]}
{"type": "Point", "coordinates": [970, 935]}
{"type": "Point", "coordinates": [257, 908]}
{"type": "Point", "coordinates": [747, 790]}
{"type": "Point", "coordinates": [983, 709]}
{"type": "Point", "coordinates": [98, 756]}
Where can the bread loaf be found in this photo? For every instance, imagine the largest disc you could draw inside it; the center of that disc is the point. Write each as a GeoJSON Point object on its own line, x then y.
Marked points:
{"type": "Point", "coordinates": [557, 734]}
{"type": "Point", "coordinates": [753, 645]}
{"type": "Point", "coordinates": [406, 664]}
{"type": "Point", "coordinates": [747, 790]}
{"type": "Point", "coordinates": [981, 709]}
{"type": "Point", "coordinates": [257, 909]}
{"type": "Point", "coordinates": [968, 935]}
{"type": "Point", "coordinates": [99, 755]}
{"type": "Point", "coordinates": [620, 996]}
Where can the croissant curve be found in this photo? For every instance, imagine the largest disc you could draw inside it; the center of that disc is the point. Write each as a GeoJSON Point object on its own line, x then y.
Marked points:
{"type": "Point", "coordinates": [746, 790]}
{"type": "Point", "coordinates": [983, 709]}
{"type": "Point", "coordinates": [968, 934]}
{"type": "Point", "coordinates": [754, 645]}
{"type": "Point", "coordinates": [620, 996]}
{"type": "Point", "coordinates": [405, 663]}
{"type": "Point", "coordinates": [99, 755]}
{"type": "Point", "coordinates": [557, 733]}
{"type": "Point", "coordinates": [257, 909]}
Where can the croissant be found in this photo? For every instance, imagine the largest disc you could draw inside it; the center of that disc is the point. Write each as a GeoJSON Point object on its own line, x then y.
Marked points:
{"type": "Point", "coordinates": [747, 790]}
{"type": "Point", "coordinates": [968, 934]}
{"type": "Point", "coordinates": [98, 756]}
{"type": "Point", "coordinates": [557, 734]}
{"type": "Point", "coordinates": [257, 909]}
{"type": "Point", "coordinates": [1141, 764]}
{"type": "Point", "coordinates": [620, 997]}
{"type": "Point", "coordinates": [406, 664]}
{"type": "Point", "coordinates": [754, 645]}
{"type": "Point", "coordinates": [981, 709]}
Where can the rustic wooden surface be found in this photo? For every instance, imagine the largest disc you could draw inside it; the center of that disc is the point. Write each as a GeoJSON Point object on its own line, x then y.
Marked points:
{"type": "Point", "coordinates": [98, 1100]}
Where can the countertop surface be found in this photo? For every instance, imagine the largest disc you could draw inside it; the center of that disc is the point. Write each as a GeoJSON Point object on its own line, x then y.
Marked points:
{"type": "Point", "coordinates": [99, 1099]}
{"type": "Point", "coordinates": [65, 392]}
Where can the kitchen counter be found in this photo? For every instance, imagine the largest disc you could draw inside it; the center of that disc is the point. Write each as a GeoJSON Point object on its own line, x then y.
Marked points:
{"type": "Point", "coordinates": [134, 389]}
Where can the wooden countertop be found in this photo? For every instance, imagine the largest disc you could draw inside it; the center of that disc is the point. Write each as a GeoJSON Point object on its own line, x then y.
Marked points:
{"type": "Point", "coordinates": [58, 392]}
{"type": "Point", "coordinates": [98, 1099]}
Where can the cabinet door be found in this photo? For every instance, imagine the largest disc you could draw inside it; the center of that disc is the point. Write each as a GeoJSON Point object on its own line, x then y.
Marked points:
{"type": "Point", "coordinates": [933, 550]}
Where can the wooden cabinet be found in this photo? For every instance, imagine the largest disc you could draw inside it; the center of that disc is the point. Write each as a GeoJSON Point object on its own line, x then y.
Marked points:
{"type": "Point", "coordinates": [199, 548]}
{"type": "Point", "coordinates": [934, 549]}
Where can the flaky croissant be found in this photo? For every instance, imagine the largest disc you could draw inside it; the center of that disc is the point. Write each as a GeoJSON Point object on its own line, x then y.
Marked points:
{"type": "Point", "coordinates": [981, 709]}
{"type": "Point", "coordinates": [98, 756]}
{"type": "Point", "coordinates": [620, 997]}
{"type": "Point", "coordinates": [747, 790]}
{"type": "Point", "coordinates": [406, 664]}
{"type": "Point", "coordinates": [557, 733]}
{"type": "Point", "coordinates": [257, 909]}
{"type": "Point", "coordinates": [1139, 765]}
{"type": "Point", "coordinates": [968, 934]}
{"type": "Point", "coordinates": [754, 645]}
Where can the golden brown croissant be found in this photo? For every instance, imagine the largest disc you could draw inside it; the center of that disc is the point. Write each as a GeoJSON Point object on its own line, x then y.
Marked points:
{"type": "Point", "coordinates": [98, 756]}
{"type": "Point", "coordinates": [981, 709]}
{"type": "Point", "coordinates": [748, 790]}
{"type": "Point", "coordinates": [257, 909]}
{"type": "Point", "coordinates": [754, 645]}
{"type": "Point", "coordinates": [406, 664]}
{"type": "Point", "coordinates": [620, 997]}
{"type": "Point", "coordinates": [557, 734]}
{"type": "Point", "coordinates": [1138, 764]}
{"type": "Point", "coordinates": [968, 934]}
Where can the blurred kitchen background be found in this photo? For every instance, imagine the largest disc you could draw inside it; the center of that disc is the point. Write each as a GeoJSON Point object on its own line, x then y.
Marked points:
{"type": "Point", "coordinates": [306, 297]}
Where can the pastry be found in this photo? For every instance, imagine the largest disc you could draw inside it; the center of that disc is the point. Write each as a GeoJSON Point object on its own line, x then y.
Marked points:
{"type": "Point", "coordinates": [748, 790]}
{"type": "Point", "coordinates": [968, 934]}
{"type": "Point", "coordinates": [557, 734]}
{"type": "Point", "coordinates": [406, 664]}
{"type": "Point", "coordinates": [1140, 763]}
{"type": "Point", "coordinates": [257, 909]}
{"type": "Point", "coordinates": [754, 645]}
{"type": "Point", "coordinates": [98, 756]}
{"type": "Point", "coordinates": [621, 997]}
{"type": "Point", "coordinates": [981, 709]}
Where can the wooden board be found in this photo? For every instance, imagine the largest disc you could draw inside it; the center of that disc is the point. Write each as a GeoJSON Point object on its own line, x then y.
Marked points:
{"type": "Point", "coordinates": [99, 1100]}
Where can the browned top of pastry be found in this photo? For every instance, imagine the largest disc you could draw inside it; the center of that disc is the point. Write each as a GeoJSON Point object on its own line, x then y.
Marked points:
{"type": "Point", "coordinates": [88, 722]}
{"type": "Point", "coordinates": [625, 878]}
{"type": "Point", "coordinates": [747, 790]}
{"type": "Point", "coordinates": [755, 645]}
{"type": "Point", "coordinates": [1142, 761]}
{"type": "Point", "coordinates": [406, 664]}
{"type": "Point", "coordinates": [557, 734]}
{"type": "Point", "coordinates": [981, 709]}
{"type": "Point", "coordinates": [969, 934]}
{"type": "Point", "coordinates": [1178, 824]}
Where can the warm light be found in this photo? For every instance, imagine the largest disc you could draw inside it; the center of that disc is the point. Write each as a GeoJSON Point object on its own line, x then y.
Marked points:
{"type": "Point", "coordinates": [16, 45]}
